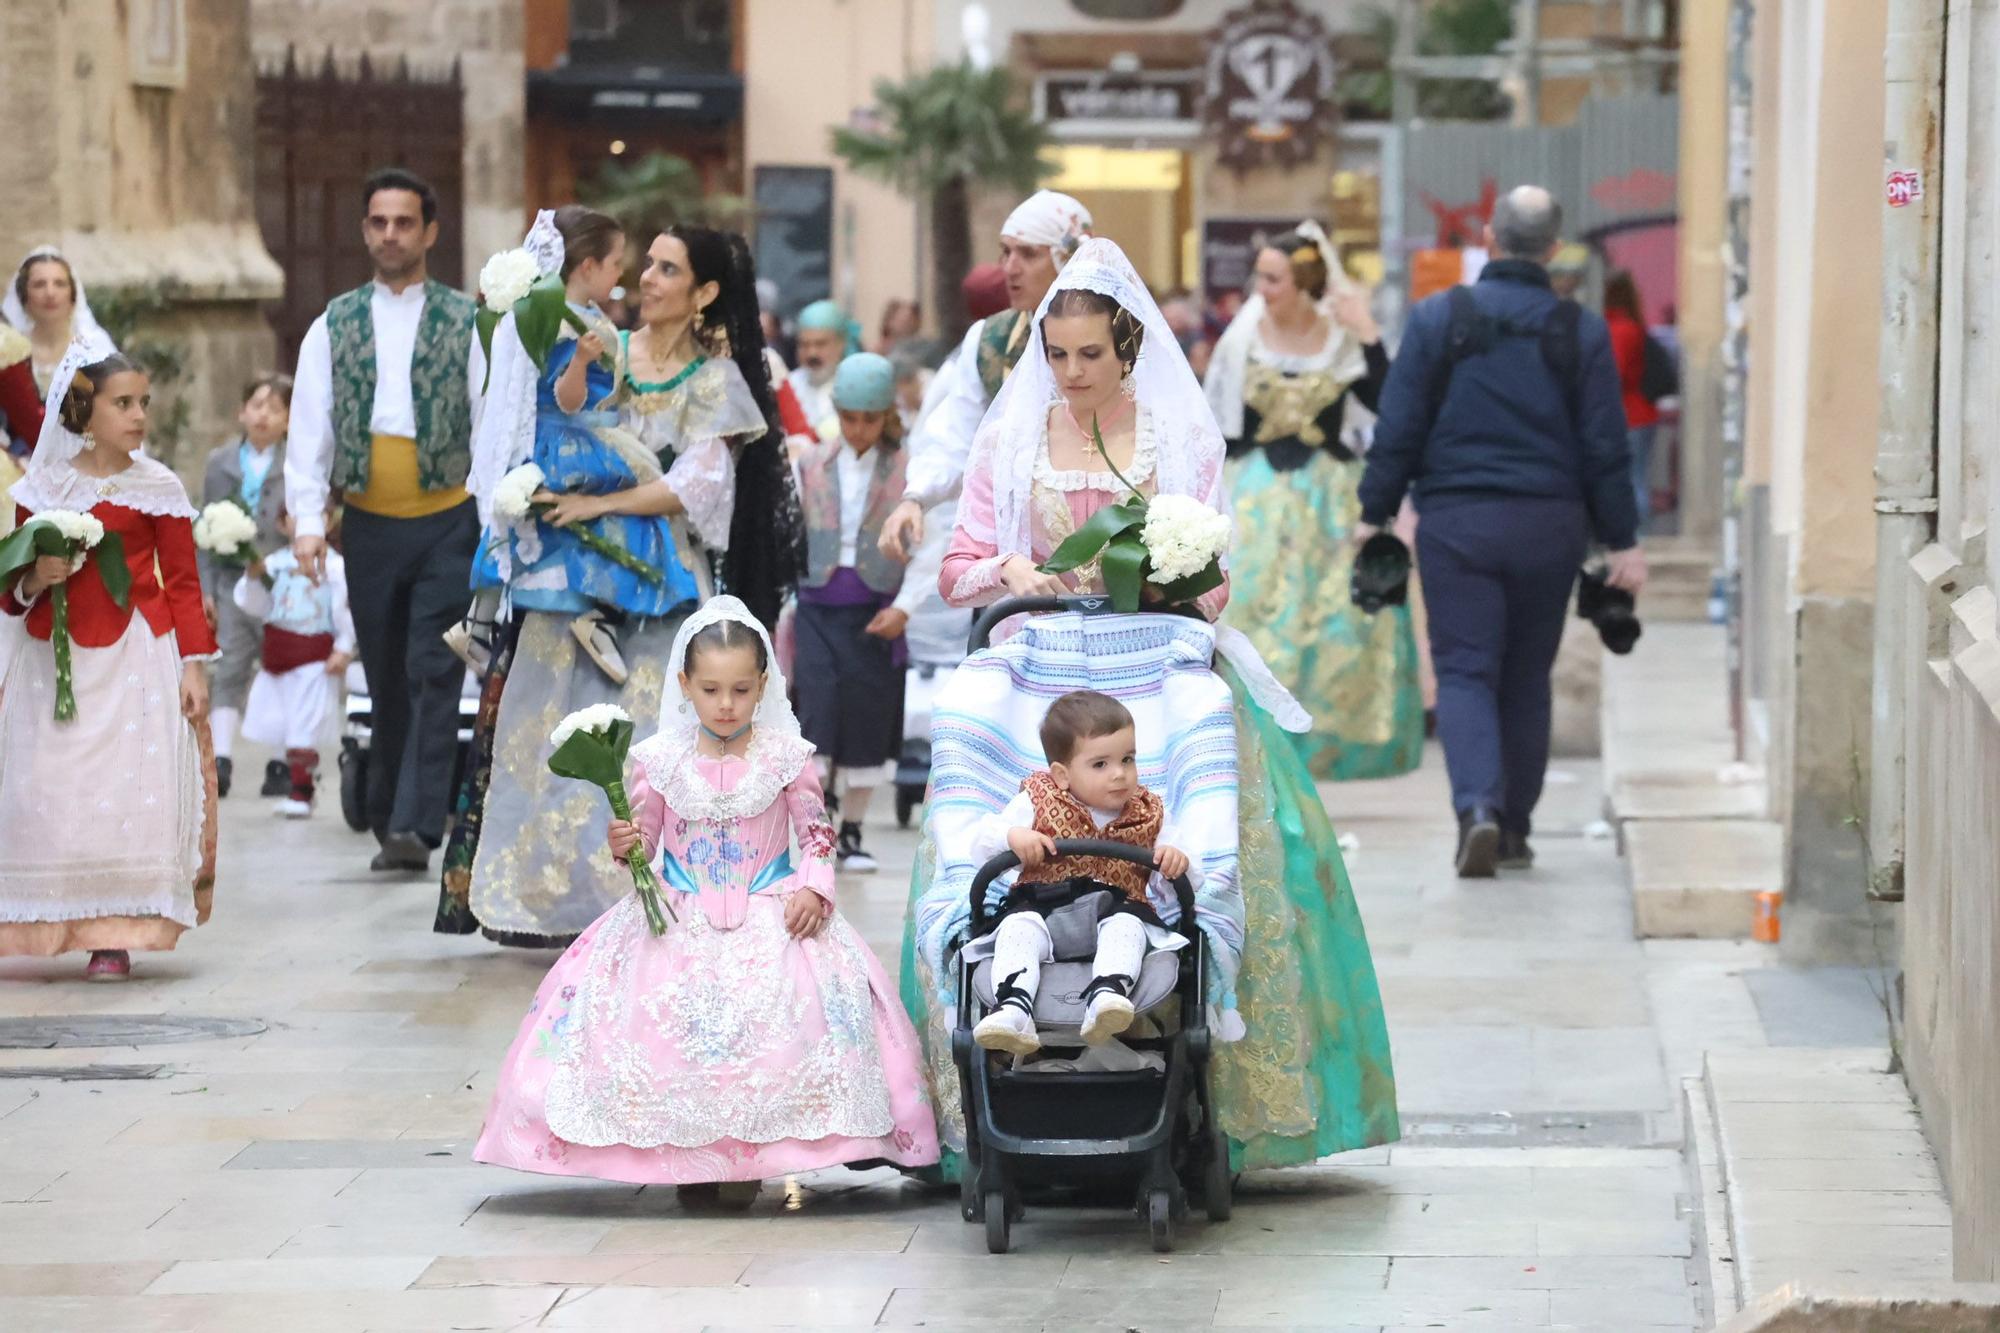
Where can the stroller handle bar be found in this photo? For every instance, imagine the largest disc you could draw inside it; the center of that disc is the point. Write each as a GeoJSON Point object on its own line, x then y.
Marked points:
{"type": "Point", "coordinates": [1087, 604]}
{"type": "Point", "coordinates": [1117, 851]}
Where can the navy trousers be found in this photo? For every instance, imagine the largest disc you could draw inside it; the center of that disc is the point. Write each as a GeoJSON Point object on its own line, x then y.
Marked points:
{"type": "Point", "coordinates": [1497, 576]}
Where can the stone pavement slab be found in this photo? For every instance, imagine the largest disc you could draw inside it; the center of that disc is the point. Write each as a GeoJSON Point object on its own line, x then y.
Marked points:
{"type": "Point", "coordinates": [316, 1175]}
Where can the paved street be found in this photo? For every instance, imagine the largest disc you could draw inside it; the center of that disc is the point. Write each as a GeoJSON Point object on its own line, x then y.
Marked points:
{"type": "Point", "coordinates": [315, 1175]}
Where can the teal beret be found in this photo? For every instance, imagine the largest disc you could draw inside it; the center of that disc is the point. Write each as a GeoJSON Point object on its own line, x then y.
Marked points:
{"type": "Point", "coordinates": [865, 382]}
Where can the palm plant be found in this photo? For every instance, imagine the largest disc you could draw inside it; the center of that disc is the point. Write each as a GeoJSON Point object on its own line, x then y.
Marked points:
{"type": "Point", "coordinates": [654, 193]}
{"type": "Point", "coordinates": [934, 138]}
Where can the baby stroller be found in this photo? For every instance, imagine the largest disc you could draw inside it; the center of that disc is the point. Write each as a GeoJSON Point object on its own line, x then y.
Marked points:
{"type": "Point", "coordinates": [1151, 1127]}
{"type": "Point", "coordinates": [357, 726]}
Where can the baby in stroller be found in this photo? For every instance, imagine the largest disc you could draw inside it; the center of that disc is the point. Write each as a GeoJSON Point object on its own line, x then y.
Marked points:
{"type": "Point", "coordinates": [1089, 790]}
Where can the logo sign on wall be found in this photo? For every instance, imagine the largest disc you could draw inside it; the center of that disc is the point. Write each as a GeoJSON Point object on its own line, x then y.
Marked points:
{"type": "Point", "coordinates": [1268, 87]}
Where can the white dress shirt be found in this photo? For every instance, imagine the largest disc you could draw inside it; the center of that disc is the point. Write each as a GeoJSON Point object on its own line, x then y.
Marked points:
{"type": "Point", "coordinates": [815, 400]}
{"type": "Point", "coordinates": [309, 448]}
{"type": "Point", "coordinates": [857, 475]}
{"type": "Point", "coordinates": [943, 442]}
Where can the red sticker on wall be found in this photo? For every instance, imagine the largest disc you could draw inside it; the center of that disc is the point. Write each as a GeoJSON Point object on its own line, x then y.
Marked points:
{"type": "Point", "coordinates": [1905, 188]}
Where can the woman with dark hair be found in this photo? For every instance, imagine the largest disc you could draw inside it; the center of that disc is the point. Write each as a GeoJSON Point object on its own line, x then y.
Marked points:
{"type": "Point", "coordinates": [692, 394]}
{"type": "Point", "coordinates": [45, 301]}
{"type": "Point", "coordinates": [1627, 322]}
{"type": "Point", "coordinates": [1302, 348]}
{"type": "Point", "coordinates": [107, 817]}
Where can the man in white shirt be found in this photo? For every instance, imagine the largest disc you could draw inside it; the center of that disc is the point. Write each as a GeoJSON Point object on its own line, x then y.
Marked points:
{"type": "Point", "coordinates": [1034, 241]}
{"type": "Point", "coordinates": [388, 387]}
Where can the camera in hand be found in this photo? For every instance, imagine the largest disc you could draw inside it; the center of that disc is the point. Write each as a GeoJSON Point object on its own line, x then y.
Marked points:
{"type": "Point", "coordinates": [1613, 611]}
{"type": "Point", "coordinates": [1381, 573]}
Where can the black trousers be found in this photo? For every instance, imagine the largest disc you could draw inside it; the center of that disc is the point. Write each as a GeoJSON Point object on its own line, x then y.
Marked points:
{"type": "Point", "coordinates": [408, 581]}
{"type": "Point", "coordinates": [1497, 578]}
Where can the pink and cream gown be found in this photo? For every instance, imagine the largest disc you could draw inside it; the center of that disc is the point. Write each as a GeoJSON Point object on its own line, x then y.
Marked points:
{"type": "Point", "coordinates": [723, 1050]}
{"type": "Point", "coordinates": [1059, 502]}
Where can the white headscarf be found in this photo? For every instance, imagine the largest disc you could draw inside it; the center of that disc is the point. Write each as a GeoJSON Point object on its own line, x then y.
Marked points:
{"type": "Point", "coordinates": [1049, 218]}
{"type": "Point", "coordinates": [52, 482]}
{"type": "Point", "coordinates": [81, 322]}
{"type": "Point", "coordinates": [774, 716]}
{"type": "Point", "coordinates": [1231, 364]}
{"type": "Point", "coordinates": [1187, 443]}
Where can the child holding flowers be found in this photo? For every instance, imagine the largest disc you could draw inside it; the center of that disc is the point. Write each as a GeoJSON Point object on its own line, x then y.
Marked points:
{"type": "Point", "coordinates": [104, 816]}
{"type": "Point", "coordinates": [756, 1035]}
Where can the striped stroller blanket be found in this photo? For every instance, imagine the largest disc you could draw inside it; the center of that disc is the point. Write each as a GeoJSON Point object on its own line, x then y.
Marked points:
{"type": "Point", "coordinates": [985, 742]}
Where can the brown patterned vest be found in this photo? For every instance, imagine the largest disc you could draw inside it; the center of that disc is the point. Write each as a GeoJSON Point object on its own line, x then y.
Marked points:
{"type": "Point", "coordinates": [1060, 815]}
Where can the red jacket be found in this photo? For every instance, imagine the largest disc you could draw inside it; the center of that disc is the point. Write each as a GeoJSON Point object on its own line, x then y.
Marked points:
{"type": "Point", "coordinates": [166, 586]}
{"type": "Point", "coordinates": [1628, 352]}
{"type": "Point", "coordinates": [20, 403]}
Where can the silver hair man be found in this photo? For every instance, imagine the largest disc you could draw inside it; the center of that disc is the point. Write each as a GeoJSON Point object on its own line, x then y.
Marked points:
{"type": "Point", "coordinates": [1527, 224]}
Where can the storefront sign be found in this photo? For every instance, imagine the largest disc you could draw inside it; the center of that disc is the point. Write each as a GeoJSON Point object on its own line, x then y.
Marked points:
{"type": "Point", "coordinates": [1086, 98]}
{"type": "Point", "coordinates": [1229, 249]}
{"type": "Point", "coordinates": [1268, 87]}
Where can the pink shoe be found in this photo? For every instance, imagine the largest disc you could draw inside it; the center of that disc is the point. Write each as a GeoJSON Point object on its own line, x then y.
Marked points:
{"type": "Point", "coordinates": [108, 965]}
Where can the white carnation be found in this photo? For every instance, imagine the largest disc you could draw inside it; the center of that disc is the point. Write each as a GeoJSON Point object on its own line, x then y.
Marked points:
{"type": "Point", "coordinates": [513, 493]}
{"type": "Point", "coordinates": [82, 529]}
{"type": "Point", "coordinates": [224, 529]}
{"type": "Point", "coordinates": [596, 718]}
{"type": "Point", "coordinates": [507, 277]}
{"type": "Point", "coordinates": [1182, 535]}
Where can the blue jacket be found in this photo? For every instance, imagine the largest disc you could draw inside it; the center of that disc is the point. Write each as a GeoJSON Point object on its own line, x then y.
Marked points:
{"type": "Point", "coordinates": [1504, 426]}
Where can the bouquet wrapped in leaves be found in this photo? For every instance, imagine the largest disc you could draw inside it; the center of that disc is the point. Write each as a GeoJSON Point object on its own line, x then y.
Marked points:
{"type": "Point", "coordinates": [1173, 542]}
{"type": "Point", "coordinates": [516, 499]}
{"type": "Point", "coordinates": [513, 280]}
{"type": "Point", "coordinates": [591, 746]}
{"type": "Point", "coordinates": [74, 537]}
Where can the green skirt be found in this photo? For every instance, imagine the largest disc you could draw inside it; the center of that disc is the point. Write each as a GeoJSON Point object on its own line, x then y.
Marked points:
{"type": "Point", "coordinates": [1312, 1075]}
{"type": "Point", "coordinates": [1289, 571]}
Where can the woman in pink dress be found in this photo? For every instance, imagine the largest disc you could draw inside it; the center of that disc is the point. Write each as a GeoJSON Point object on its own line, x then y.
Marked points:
{"type": "Point", "coordinates": [758, 1036]}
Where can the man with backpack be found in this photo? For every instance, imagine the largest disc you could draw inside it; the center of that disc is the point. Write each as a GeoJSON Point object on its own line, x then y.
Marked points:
{"type": "Point", "coordinates": [1503, 416]}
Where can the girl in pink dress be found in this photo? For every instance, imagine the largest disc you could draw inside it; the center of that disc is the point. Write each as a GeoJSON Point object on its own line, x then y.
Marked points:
{"type": "Point", "coordinates": [758, 1037]}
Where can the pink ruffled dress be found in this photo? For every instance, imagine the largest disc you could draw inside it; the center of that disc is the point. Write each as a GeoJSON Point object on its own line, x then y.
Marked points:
{"type": "Point", "coordinates": [724, 1050]}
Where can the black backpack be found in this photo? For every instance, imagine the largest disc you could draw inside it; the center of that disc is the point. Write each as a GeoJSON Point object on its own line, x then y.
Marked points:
{"type": "Point", "coordinates": [1659, 377]}
{"type": "Point", "coordinates": [1471, 332]}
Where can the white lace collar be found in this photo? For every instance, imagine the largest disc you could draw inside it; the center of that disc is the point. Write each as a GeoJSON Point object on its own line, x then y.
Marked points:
{"type": "Point", "coordinates": [1145, 452]}
{"type": "Point", "coordinates": [776, 758]}
{"type": "Point", "coordinates": [147, 487]}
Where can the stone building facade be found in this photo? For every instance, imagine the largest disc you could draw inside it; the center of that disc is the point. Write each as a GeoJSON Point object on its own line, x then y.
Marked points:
{"type": "Point", "coordinates": [483, 36]}
{"type": "Point", "coordinates": [147, 186]}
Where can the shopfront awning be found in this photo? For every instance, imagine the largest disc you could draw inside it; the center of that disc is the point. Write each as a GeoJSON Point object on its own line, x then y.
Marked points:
{"type": "Point", "coordinates": [636, 94]}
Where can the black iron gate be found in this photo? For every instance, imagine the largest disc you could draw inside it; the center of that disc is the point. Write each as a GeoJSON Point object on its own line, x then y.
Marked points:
{"type": "Point", "coordinates": [319, 133]}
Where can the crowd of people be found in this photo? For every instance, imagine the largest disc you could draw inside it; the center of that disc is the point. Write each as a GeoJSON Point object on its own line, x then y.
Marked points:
{"type": "Point", "coordinates": [737, 554]}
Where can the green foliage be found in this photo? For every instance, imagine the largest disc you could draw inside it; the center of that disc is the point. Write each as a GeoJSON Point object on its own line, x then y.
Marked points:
{"type": "Point", "coordinates": [655, 192]}
{"type": "Point", "coordinates": [135, 318]}
{"type": "Point", "coordinates": [951, 124]}
{"type": "Point", "coordinates": [1449, 28]}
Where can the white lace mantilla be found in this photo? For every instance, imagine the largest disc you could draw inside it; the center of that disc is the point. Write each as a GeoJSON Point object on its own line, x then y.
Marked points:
{"type": "Point", "coordinates": [147, 487]}
{"type": "Point", "coordinates": [775, 761]}
{"type": "Point", "coordinates": [1145, 454]}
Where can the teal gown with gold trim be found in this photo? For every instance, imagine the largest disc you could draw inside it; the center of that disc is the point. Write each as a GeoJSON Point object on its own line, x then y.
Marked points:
{"type": "Point", "coordinates": [1292, 488]}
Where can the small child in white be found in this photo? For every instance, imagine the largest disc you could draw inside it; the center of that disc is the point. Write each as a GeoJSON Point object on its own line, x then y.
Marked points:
{"type": "Point", "coordinates": [308, 641]}
{"type": "Point", "coordinates": [1090, 790]}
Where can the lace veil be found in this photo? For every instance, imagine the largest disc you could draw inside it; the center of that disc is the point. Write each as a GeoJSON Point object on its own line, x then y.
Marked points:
{"type": "Point", "coordinates": [82, 322]}
{"type": "Point", "coordinates": [52, 481]}
{"type": "Point", "coordinates": [1231, 364]}
{"type": "Point", "coordinates": [505, 436]}
{"type": "Point", "coordinates": [774, 716]}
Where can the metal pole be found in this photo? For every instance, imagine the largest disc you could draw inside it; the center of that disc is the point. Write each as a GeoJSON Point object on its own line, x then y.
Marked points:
{"type": "Point", "coordinates": [1527, 62]}
{"type": "Point", "coordinates": [1905, 457]}
{"type": "Point", "coordinates": [1403, 83]}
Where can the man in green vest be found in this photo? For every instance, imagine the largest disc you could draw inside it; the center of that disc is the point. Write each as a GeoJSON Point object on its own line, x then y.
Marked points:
{"type": "Point", "coordinates": [388, 385]}
{"type": "Point", "coordinates": [1034, 241]}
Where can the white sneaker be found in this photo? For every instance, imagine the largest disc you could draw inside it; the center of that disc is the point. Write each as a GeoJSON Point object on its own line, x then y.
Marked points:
{"type": "Point", "coordinates": [600, 644]}
{"type": "Point", "coordinates": [473, 649]}
{"type": "Point", "coordinates": [1008, 1029]}
{"type": "Point", "coordinates": [293, 809]}
{"type": "Point", "coordinates": [852, 858]}
{"type": "Point", "coordinates": [1108, 1015]}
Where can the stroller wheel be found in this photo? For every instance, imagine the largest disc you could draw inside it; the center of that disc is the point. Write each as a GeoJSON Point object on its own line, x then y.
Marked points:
{"type": "Point", "coordinates": [1160, 1220]}
{"type": "Point", "coordinates": [1218, 1184]}
{"type": "Point", "coordinates": [354, 784]}
{"type": "Point", "coordinates": [906, 804]}
{"type": "Point", "coordinates": [997, 1222]}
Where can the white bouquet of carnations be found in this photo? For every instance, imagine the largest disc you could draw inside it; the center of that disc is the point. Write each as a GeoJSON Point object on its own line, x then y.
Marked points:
{"type": "Point", "coordinates": [226, 530]}
{"type": "Point", "coordinates": [1174, 542]}
{"type": "Point", "coordinates": [591, 745]}
{"type": "Point", "coordinates": [513, 280]}
{"type": "Point", "coordinates": [74, 537]}
{"type": "Point", "coordinates": [506, 278]}
{"type": "Point", "coordinates": [514, 500]}
{"type": "Point", "coordinates": [1182, 536]}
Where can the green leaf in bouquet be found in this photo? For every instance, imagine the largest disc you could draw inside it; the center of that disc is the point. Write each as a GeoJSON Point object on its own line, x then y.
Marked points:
{"type": "Point", "coordinates": [111, 567]}
{"type": "Point", "coordinates": [594, 756]}
{"type": "Point", "coordinates": [539, 317]}
{"type": "Point", "coordinates": [1124, 569]}
{"type": "Point", "coordinates": [23, 545]}
{"type": "Point", "coordinates": [1102, 526]}
{"type": "Point", "coordinates": [484, 322]}
{"type": "Point", "coordinates": [1182, 591]}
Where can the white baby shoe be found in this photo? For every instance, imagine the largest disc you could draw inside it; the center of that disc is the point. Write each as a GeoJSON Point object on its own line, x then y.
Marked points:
{"type": "Point", "coordinates": [1008, 1028]}
{"type": "Point", "coordinates": [1108, 1015]}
